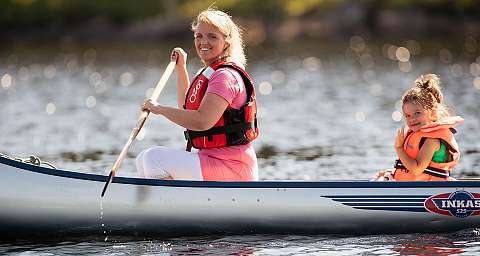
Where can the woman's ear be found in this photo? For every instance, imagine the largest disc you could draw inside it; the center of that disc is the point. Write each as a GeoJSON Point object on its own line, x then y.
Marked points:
{"type": "Point", "coordinates": [226, 46]}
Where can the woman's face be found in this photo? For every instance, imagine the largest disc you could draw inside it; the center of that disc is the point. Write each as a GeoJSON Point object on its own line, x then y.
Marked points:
{"type": "Point", "coordinates": [416, 116]}
{"type": "Point", "coordinates": [209, 43]}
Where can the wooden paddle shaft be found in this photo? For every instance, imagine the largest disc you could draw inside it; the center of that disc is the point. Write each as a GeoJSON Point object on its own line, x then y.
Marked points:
{"type": "Point", "coordinates": [143, 117]}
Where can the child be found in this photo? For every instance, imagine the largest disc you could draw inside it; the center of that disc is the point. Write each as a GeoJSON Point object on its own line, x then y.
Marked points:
{"type": "Point", "coordinates": [426, 149]}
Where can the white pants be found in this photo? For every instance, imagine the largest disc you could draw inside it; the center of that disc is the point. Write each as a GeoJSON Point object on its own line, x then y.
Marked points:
{"type": "Point", "coordinates": [161, 162]}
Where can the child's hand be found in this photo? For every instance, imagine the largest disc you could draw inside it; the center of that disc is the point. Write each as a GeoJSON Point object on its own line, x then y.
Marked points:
{"type": "Point", "coordinates": [385, 175]}
{"type": "Point", "coordinates": [400, 138]}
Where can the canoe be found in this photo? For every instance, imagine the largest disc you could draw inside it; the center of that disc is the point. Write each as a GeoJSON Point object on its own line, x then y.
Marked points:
{"type": "Point", "coordinates": [40, 200]}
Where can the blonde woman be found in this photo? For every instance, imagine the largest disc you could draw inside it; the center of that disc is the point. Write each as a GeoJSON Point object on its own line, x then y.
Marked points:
{"type": "Point", "coordinates": [218, 110]}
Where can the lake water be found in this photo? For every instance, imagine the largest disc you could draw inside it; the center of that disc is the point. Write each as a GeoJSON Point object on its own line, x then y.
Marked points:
{"type": "Point", "coordinates": [326, 112]}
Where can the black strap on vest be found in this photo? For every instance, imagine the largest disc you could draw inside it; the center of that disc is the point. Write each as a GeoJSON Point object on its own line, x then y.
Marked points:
{"type": "Point", "coordinates": [243, 127]}
{"type": "Point", "coordinates": [436, 172]}
{"type": "Point", "coordinates": [235, 133]}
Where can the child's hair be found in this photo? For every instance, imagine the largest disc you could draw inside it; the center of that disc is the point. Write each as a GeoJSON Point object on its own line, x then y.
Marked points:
{"type": "Point", "coordinates": [225, 25]}
{"type": "Point", "coordinates": [428, 94]}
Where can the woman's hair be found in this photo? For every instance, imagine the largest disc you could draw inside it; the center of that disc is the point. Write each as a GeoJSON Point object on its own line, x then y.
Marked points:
{"type": "Point", "coordinates": [428, 94]}
{"type": "Point", "coordinates": [225, 25]}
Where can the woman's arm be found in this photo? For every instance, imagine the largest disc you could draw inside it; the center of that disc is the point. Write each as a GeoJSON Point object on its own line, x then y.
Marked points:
{"type": "Point", "coordinates": [417, 166]}
{"type": "Point", "coordinates": [182, 75]}
{"type": "Point", "coordinates": [204, 118]}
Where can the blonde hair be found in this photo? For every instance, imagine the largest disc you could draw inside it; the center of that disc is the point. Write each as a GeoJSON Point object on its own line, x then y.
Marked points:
{"type": "Point", "coordinates": [225, 25]}
{"type": "Point", "coordinates": [427, 93]}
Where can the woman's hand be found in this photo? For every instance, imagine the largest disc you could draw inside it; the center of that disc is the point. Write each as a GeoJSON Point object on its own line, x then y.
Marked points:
{"type": "Point", "coordinates": [180, 56]}
{"type": "Point", "coordinates": [150, 105]}
{"type": "Point", "coordinates": [400, 138]}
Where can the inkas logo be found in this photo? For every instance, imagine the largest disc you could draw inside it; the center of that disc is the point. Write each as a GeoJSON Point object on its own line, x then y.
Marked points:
{"type": "Point", "coordinates": [460, 204]}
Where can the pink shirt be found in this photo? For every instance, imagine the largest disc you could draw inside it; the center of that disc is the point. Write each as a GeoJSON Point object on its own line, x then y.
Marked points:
{"type": "Point", "coordinates": [234, 163]}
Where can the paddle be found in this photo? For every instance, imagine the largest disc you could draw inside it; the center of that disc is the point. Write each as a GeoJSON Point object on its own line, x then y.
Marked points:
{"type": "Point", "coordinates": [141, 121]}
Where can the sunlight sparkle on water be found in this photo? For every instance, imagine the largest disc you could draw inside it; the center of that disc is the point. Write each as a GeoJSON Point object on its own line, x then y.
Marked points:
{"type": "Point", "coordinates": [402, 54]}
{"type": "Point", "coordinates": [360, 116]}
{"type": "Point", "coordinates": [95, 78]}
{"type": "Point", "coordinates": [456, 70]}
{"type": "Point", "coordinates": [475, 69]}
{"type": "Point", "coordinates": [265, 88]}
{"type": "Point", "coordinates": [126, 79]}
{"type": "Point", "coordinates": [90, 102]}
{"type": "Point", "coordinates": [357, 43]}
{"type": "Point", "coordinates": [50, 108]}
{"type": "Point", "coordinates": [49, 71]}
{"type": "Point", "coordinates": [397, 116]}
{"type": "Point", "coordinates": [312, 64]}
{"type": "Point", "coordinates": [72, 65]}
{"type": "Point", "coordinates": [6, 81]}
{"type": "Point", "coordinates": [405, 66]}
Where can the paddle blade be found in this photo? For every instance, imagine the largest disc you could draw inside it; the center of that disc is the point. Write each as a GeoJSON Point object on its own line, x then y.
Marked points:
{"type": "Point", "coordinates": [110, 178]}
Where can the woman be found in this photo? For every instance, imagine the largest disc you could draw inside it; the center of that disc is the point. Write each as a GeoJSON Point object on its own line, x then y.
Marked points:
{"type": "Point", "coordinates": [218, 110]}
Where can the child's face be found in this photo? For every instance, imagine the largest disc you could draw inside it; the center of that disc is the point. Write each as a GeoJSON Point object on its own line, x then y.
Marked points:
{"type": "Point", "coordinates": [416, 116]}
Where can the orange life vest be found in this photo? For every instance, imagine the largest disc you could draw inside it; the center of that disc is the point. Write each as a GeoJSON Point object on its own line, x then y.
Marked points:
{"type": "Point", "coordinates": [236, 126]}
{"type": "Point", "coordinates": [442, 130]}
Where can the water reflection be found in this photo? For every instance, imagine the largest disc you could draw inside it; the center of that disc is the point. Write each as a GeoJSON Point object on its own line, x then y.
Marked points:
{"type": "Point", "coordinates": [430, 245]}
{"type": "Point", "coordinates": [416, 249]}
{"type": "Point", "coordinates": [465, 241]}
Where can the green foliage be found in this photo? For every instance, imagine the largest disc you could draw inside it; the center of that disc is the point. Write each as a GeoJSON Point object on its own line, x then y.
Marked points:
{"type": "Point", "coordinates": [18, 13]}
{"type": "Point", "coordinates": [32, 12]}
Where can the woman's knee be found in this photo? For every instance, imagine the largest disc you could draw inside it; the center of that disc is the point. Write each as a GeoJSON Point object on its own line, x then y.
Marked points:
{"type": "Point", "coordinates": [152, 160]}
{"type": "Point", "coordinates": [153, 155]}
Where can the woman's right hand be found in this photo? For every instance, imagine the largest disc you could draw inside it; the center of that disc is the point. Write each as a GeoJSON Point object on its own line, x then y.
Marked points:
{"type": "Point", "coordinates": [180, 56]}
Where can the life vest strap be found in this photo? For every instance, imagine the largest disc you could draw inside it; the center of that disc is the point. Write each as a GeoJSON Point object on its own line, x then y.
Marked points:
{"type": "Point", "coordinates": [242, 127]}
{"type": "Point", "coordinates": [436, 172]}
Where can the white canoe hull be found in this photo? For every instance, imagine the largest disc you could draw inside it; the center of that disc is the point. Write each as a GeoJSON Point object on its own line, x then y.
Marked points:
{"type": "Point", "coordinates": [35, 199]}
